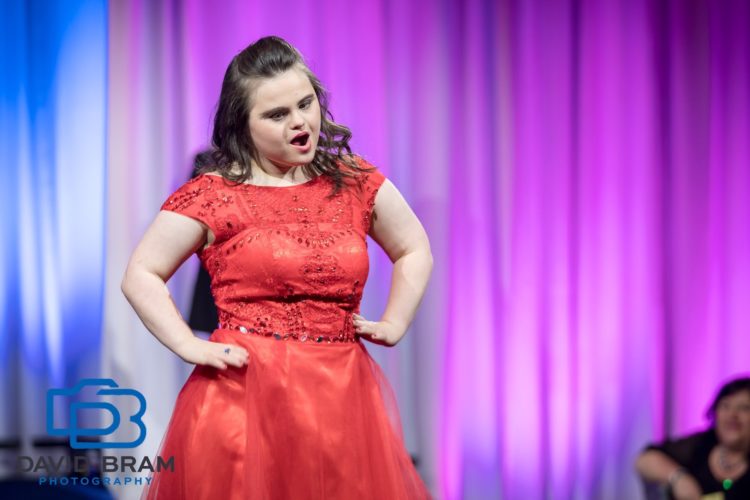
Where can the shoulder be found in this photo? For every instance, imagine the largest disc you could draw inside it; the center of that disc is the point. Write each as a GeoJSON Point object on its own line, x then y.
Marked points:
{"type": "Point", "coordinates": [368, 176]}
{"type": "Point", "coordinates": [203, 198]}
{"type": "Point", "coordinates": [192, 191]}
{"type": "Point", "coordinates": [687, 448]}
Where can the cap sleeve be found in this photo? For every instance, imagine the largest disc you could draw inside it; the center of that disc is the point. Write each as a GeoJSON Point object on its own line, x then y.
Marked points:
{"type": "Point", "coordinates": [371, 182]}
{"type": "Point", "coordinates": [192, 199]}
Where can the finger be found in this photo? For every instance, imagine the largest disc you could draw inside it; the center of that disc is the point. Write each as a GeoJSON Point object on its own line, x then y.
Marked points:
{"type": "Point", "coordinates": [233, 350]}
{"type": "Point", "coordinates": [365, 326]}
{"type": "Point", "coordinates": [242, 355]}
{"type": "Point", "coordinates": [368, 330]}
{"type": "Point", "coordinates": [230, 352]}
{"type": "Point", "coordinates": [235, 360]}
{"type": "Point", "coordinates": [217, 363]}
{"type": "Point", "coordinates": [371, 337]}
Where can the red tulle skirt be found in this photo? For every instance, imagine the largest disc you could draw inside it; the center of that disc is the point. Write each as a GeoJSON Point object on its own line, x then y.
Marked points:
{"type": "Point", "coordinates": [301, 421]}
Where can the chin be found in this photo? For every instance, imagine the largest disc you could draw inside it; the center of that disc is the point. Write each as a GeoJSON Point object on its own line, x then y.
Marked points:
{"type": "Point", "coordinates": [732, 439]}
{"type": "Point", "coordinates": [290, 162]}
{"type": "Point", "coordinates": [308, 158]}
{"type": "Point", "coordinates": [301, 163]}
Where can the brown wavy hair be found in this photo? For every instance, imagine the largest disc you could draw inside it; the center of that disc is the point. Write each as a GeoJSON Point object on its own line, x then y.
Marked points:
{"type": "Point", "coordinates": [232, 146]}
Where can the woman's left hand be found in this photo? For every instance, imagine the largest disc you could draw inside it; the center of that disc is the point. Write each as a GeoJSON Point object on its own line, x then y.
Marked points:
{"type": "Point", "coordinates": [377, 332]}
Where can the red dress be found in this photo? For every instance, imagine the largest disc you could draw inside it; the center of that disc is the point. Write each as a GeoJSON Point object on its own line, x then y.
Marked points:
{"type": "Point", "coordinates": [311, 416]}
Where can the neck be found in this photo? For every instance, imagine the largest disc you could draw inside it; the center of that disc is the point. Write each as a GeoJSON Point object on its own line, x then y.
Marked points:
{"type": "Point", "coordinates": [277, 172]}
{"type": "Point", "coordinates": [735, 450]}
{"type": "Point", "coordinates": [730, 461]}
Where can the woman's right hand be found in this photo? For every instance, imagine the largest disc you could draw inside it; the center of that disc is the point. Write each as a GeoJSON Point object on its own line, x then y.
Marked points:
{"type": "Point", "coordinates": [203, 352]}
{"type": "Point", "coordinates": [686, 487]}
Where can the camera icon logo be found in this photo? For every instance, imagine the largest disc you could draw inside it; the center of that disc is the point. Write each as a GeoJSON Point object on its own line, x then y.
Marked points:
{"type": "Point", "coordinates": [75, 432]}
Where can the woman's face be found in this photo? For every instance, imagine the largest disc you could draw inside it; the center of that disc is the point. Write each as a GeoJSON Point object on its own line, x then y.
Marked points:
{"type": "Point", "coordinates": [285, 120]}
{"type": "Point", "coordinates": [733, 420]}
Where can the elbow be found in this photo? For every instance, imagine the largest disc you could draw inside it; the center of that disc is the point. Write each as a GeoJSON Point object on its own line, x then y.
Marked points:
{"type": "Point", "coordinates": [641, 463]}
{"type": "Point", "coordinates": [423, 254]}
{"type": "Point", "coordinates": [129, 281]}
{"type": "Point", "coordinates": [429, 261]}
{"type": "Point", "coordinates": [638, 464]}
{"type": "Point", "coordinates": [126, 284]}
{"type": "Point", "coordinates": [138, 279]}
{"type": "Point", "coordinates": [418, 253]}
{"type": "Point", "coordinates": [427, 249]}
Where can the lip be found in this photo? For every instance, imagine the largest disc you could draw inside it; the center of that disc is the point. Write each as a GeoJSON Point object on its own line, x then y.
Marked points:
{"type": "Point", "coordinates": [305, 147]}
{"type": "Point", "coordinates": [732, 427]}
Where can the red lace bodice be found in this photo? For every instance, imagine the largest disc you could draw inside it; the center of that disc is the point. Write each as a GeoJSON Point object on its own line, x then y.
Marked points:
{"type": "Point", "coordinates": [287, 262]}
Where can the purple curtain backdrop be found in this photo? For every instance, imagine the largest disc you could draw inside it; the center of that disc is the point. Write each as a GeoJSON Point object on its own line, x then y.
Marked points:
{"type": "Point", "coordinates": [582, 168]}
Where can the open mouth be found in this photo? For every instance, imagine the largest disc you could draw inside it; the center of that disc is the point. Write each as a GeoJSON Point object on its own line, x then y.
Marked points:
{"type": "Point", "coordinates": [301, 139]}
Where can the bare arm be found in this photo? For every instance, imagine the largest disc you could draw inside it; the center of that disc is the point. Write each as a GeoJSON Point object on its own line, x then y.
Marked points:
{"type": "Point", "coordinates": [168, 242]}
{"type": "Point", "coordinates": [398, 231]}
{"type": "Point", "coordinates": [655, 466]}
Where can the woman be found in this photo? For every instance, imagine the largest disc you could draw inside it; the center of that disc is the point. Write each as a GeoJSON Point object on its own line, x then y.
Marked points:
{"type": "Point", "coordinates": [285, 401]}
{"type": "Point", "coordinates": [710, 464]}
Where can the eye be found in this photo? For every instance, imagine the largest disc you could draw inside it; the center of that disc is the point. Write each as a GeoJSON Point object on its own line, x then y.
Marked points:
{"type": "Point", "coordinates": [277, 116]}
{"type": "Point", "coordinates": [306, 104]}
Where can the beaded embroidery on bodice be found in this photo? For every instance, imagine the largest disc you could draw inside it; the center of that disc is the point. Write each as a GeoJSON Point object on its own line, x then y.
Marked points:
{"type": "Point", "coordinates": [286, 262]}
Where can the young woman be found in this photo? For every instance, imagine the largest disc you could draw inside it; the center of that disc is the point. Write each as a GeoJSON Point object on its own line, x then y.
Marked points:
{"type": "Point", "coordinates": [285, 401]}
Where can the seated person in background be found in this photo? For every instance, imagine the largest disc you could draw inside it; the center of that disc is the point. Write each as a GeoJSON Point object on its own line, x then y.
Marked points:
{"type": "Point", "coordinates": [712, 464]}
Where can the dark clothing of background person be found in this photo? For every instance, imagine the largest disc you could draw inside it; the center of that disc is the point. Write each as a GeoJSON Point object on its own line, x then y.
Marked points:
{"type": "Point", "coordinates": [692, 452]}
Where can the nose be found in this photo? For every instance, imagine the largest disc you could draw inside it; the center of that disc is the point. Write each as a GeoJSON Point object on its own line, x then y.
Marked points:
{"type": "Point", "coordinates": [297, 120]}
{"type": "Point", "coordinates": [733, 416]}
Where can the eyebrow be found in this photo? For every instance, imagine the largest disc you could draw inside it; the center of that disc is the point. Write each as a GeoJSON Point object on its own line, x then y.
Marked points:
{"type": "Point", "coordinates": [283, 108]}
